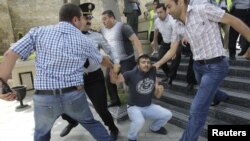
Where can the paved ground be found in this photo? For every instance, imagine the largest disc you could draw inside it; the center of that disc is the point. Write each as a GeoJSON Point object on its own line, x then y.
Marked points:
{"type": "Point", "coordinates": [19, 125]}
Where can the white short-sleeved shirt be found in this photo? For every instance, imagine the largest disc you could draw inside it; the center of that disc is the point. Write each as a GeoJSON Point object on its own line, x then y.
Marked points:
{"type": "Point", "coordinates": [165, 27]}
{"type": "Point", "coordinates": [202, 31]}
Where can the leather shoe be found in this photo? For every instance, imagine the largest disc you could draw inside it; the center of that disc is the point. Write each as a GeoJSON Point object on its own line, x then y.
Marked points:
{"type": "Point", "coordinates": [215, 103]}
{"type": "Point", "coordinates": [114, 134]}
{"type": "Point", "coordinates": [112, 104]}
{"type": "Point", "coordinates": [242, 53]}
{"type": "Point", "coordinates": [67, 129]}
{"type": "Point", "coordinates": [161, 131]}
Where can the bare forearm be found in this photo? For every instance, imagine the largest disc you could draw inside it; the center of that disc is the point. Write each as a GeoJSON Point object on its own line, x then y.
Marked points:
{"type": "Point", "coordinates": [8, 64]}
{"type": "Point", "coordinates": [243, 29]}
{"type": "Point", "coordinates": [170, 54]}
{"type": "Point", "coordinates": [237, 24]}
{"type": "Point", "coordinates": [137, 43]}
{"type": "Point", "coordinates": [139, 47]}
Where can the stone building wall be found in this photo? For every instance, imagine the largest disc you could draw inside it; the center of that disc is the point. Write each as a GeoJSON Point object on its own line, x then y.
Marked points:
{"type": "Point", "coordinates": [6, 31]}
{"type": "Point", "coordinates": [21, 15]}
{"type": "Point", "coordinates": [26, 14]}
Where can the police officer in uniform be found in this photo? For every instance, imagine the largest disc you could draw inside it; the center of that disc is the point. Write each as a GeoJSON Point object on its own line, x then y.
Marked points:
{"type": "Point", "coordinates": [94, 79]}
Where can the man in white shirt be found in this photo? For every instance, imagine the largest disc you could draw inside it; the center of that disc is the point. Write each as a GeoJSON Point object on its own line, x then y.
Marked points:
{"type": "Point", "coordinates": [164, 24]}
{"type": "Point", "coordinates": [199, 25]}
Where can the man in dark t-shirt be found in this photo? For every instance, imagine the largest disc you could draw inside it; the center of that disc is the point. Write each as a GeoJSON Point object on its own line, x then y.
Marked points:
{"type": "Point", "coordinates": [142, 86]}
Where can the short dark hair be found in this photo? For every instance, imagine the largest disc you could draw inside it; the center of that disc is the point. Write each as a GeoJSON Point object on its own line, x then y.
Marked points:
{"type": "Point", "coordinates": [161, 5]}
{"type": "Point", "coordinates": [69, 11]}
{"type": "Point", "coordinates": [144, 56]}
{"type": "Point", "coordinates": [110, 13]}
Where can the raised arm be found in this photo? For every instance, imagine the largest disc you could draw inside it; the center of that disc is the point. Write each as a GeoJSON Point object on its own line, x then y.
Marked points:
{"type": "Point", "coordinates": [128, 33]}
{"type": "Point", "coordinates": [169, 55]}
{"type": "Point", "coordinates": [137, 43]}
{"type": "Point", "coordinates": [237, 24]}
{"type": "Point", "coordinates": [6, 68]}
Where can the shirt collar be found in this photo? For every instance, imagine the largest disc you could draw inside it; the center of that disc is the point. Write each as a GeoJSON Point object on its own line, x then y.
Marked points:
{"type": "Point", "coordinates": [166, 19]}
{"type": "Point", "coordinates": [67, 27]}
{"type": "Point", "coordinates": [189, 9]}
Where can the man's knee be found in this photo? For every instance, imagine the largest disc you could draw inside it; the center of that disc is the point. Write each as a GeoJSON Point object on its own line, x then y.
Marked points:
{"type": "Point", "coordinates": [139, 123]}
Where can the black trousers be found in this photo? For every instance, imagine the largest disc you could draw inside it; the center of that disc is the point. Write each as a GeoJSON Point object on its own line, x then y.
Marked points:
{"type": "Point", "coordinates": [132, 20]}
{"type": "Point", "coordinates": [171, 70]}
{"type": "Point", "coordinates": [126, 65]}
{"type": "Point", "coordinates": [151, 38]}
{"type": "Point", "coordinates": [244, 15]}
{"type": "Point", "coordinates": [94, 85]}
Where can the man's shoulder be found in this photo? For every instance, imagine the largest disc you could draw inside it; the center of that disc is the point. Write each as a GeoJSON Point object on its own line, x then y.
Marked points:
{"type": "Point", "coordinates": [125, 25]}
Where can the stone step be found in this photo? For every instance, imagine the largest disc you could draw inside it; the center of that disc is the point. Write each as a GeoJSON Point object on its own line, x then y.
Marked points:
{"type": "Point", "coordinates": [240, 62]}
{"type": "Point", "coordinates": [241, 71]}
{"type": "Point", "coordinates": [230, 113]}
{"type": "Point", "coordinates": [238, 97]}
{"type": "Point", "coordinates": [233, 82]}
{"type": "Point", "coordinates": [180, 117]}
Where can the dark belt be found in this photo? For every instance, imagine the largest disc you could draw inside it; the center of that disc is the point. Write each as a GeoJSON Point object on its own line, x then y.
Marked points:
{"type": "Point", "coordinates": [211, 61]}
{"type": "Point", "coordinates": [56, 91]}
{"type": "Point", "coordinates": [165, 44]}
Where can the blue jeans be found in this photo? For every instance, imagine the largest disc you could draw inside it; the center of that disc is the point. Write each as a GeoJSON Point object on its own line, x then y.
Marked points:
{"type": "Point", "coordinates": [137, 115]}
{"type": "Point", "coordinates": [209, 77]}
{"type": "Point", "coordinates": [47, 108]}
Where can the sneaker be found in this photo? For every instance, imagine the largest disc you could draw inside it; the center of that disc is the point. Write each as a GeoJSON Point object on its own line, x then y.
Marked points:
{"type": "Point", "coordinates": [241, 53]}
{"type": "Point", "coordinates": [161, 131]}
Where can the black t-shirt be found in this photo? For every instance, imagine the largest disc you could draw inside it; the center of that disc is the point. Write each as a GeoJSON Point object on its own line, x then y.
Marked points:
{"type": "Point", "coordinates": [141, 86]}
